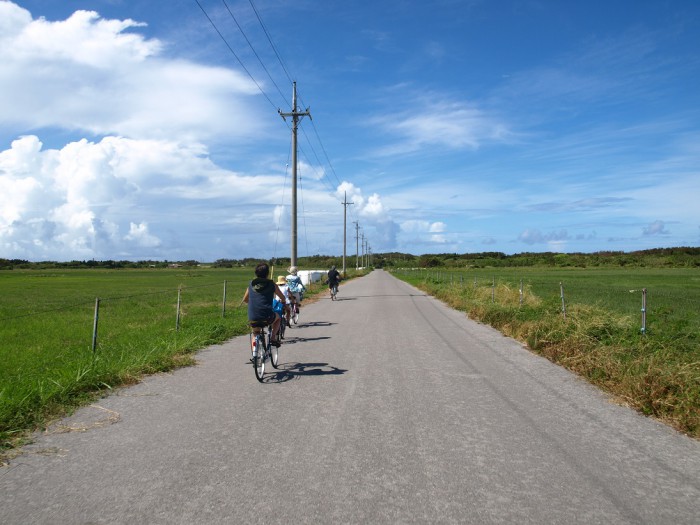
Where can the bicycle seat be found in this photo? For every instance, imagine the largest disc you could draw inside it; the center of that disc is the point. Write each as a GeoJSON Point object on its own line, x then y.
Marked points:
{"type": "Point", "coordinates": [258, 324]}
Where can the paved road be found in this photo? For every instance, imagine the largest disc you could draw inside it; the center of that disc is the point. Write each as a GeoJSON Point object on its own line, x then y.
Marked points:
{"type": "Point", "coordinates": [389, 408]}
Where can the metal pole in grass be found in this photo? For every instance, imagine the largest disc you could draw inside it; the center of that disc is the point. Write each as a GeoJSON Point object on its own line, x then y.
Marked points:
{"type": "Point", "coordinates": [563, 304]}
{"type": "Point", "coordinates": [177, 318]}
{"type": "Point", "coordinates": [644, 310]}
{"type": "Point", "coordinates": [521, 292]}
{"type": "Point", "coordinates": [223, 306]}
{"type": "Point", "coordinates": [94, 324]}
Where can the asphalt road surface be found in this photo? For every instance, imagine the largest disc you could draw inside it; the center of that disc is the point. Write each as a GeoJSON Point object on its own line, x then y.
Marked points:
{"type": "Point", "coordinates": [388, 408]}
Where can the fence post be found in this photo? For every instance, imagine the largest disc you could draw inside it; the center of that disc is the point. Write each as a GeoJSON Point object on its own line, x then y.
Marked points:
{"type": "Point", "coordinates": [94, 324]}
{"type": "Point", "coordinates": [521, 292]}
{"type": "Point", "coordinates": [177, 318]}
{"type": "Point", "coordinates": [223, 306]}
{"type": "Point", "coordinates": [493, 290]}
{"type": "Point", "coordinates": [563, 304]}
{"type": "Point", "coordinates": [644, 310]}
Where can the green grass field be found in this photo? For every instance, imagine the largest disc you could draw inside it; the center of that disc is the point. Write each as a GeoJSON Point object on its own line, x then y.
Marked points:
{"type": "Point", "coordinates": [673, 294]}
{"type": "Point", "coordinates": [46, 333]}
{"type": "Point", "coordinates": [656, 371]}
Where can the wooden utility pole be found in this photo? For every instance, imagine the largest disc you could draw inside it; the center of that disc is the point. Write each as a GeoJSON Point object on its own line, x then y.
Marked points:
{"type": "Point", "coordinates": [295, 124]}
{"type": "Point", "coordinates": [345, 227]}
{"type": "Point", "coordinates": [357, 244]}
{"type": "Point", "coordinates": [362, 253]}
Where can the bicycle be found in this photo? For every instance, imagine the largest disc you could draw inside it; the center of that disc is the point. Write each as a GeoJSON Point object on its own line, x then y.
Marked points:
{"type": "Point", "coordinates": [261, 347]}
{"type": "Point", "coordinates": [283, 325]}
{"type": "Point", "coordinates": [334, 291]}
{"type": "Point", "coordinates": [295, 313]}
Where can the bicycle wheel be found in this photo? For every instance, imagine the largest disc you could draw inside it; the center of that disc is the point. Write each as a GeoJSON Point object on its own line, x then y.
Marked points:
{"type": "Point", "coordinates": [259, 359]}
{"type": "Point", "coordinates": [283, 327]}
{"type": "Point", "coordinates": [295, 314]}
{"type": "Point", "coordinates": [274, 354]}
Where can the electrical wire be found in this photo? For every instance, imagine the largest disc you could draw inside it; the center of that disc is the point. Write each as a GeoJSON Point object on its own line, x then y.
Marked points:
{"type": "Point", "coordinates": [253, 49]}
{"type": "Point", "coordinates": [303, 215]}
{"type": "Point", "coordinates": [235, 55]}
{"type": "Point", "coordinates": [279, 58]}
{"type": "Point", "coordinates": [284, 188]}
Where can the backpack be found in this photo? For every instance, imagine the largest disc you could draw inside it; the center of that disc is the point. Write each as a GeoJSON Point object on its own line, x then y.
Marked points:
{"type": "Point", "coordinates": [295, 285]}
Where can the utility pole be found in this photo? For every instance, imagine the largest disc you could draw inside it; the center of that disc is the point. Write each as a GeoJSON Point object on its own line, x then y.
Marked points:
{"type": "Point", "coordinates": [362, 244]}
{"type": "Point", "coordinates": [345, 227]}
{"type": "Point", "coordinates": [357, 244]}
{"type": "Point", "coordinates": [295, 124]}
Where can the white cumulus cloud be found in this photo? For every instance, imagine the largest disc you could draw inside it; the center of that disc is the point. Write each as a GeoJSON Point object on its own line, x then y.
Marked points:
{"type": "Point", "coordinates": [101, 76]}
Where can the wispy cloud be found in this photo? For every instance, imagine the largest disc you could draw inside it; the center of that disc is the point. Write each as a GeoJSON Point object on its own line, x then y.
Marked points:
{"type": "Point", "coordinates": [655, 228]}
{"type": "Point", "coordinates": [434, 121]}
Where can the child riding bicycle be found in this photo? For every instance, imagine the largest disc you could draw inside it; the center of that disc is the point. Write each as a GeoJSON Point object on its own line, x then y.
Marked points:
{"type": "Point", "coordinates": [259, 296]}
{"type": "Point", "coordinates": [296, 287]}
{"type": "Point", "coordinates": [284, 288]}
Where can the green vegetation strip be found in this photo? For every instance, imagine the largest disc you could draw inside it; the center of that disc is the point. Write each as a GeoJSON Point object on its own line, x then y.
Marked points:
{"type": "Point", "coordinates": [46, 329]}
{"type": "Point", "coordinates": [599, 338]}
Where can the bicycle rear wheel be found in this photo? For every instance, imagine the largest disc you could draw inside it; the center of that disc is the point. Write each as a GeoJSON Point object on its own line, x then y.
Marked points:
{"type": "Point", "coordinates": [295, 314]}
{"type": "Point", "coordinates": [274, 355]}
{"type": "Point", "coordinates": [259, 359]}
{"type": "Point", "coordinates": [283, 327]}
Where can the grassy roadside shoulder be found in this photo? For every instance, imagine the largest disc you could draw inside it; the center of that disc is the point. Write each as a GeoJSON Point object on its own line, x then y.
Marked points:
{"type": "Point", "coordinates": [657, 374]}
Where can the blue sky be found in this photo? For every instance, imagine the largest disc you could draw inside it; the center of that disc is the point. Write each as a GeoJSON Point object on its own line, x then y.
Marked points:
{"type": "Point", "coordinates": [131, 130]}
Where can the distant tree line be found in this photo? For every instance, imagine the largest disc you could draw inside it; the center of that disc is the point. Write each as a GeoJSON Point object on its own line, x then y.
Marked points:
{"type": "Point", "coordinates": [681, 257]}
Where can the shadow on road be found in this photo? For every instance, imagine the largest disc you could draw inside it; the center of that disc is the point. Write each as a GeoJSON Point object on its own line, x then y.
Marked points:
{"type": "Point", "coordinates": [294, 340]}
{"type": "Point", "coordinates": [394, 295]}
{"type": "Point", "coordinates": [313, 324]}
{"type": "Point", "coordinates": [288, 371]}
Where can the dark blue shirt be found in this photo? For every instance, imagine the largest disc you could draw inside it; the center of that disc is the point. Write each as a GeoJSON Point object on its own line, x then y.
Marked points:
{"type": "Point", "coordinates": [260, 295]}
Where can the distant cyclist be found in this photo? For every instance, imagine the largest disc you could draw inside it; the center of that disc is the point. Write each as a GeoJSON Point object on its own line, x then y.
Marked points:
{"type": "Point", "coordinates": [259, 295]}
{"type": "Point", "coordinates": [282, 284]}
{"type": "Point", "coordinates": [296, 287]}
{"type": "Point", "coordinates": [333, 280]}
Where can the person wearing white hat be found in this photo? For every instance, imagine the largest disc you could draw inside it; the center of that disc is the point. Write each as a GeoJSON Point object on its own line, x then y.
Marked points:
{"type": "Point", "coordinates": [295, 286]}
{"type": "Point", "coordinates": [282, 285]}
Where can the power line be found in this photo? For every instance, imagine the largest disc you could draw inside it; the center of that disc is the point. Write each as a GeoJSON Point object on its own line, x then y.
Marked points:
{"type": "Point", "coordinates": [253, 49]}
{"type": "Point", "coordinates": [235, 55]}
{"type": "Point", "coordinates": [270, 40]}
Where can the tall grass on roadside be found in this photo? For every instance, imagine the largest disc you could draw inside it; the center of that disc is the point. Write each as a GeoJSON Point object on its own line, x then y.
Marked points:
{"type": "Point", "coordinates": [657, 373]}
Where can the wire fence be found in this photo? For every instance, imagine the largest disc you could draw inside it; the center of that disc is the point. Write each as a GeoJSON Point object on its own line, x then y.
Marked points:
{"type": "Point", "coordinates": [129, 323]}
{"type": "Point", "coordinates": [675, 301]}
